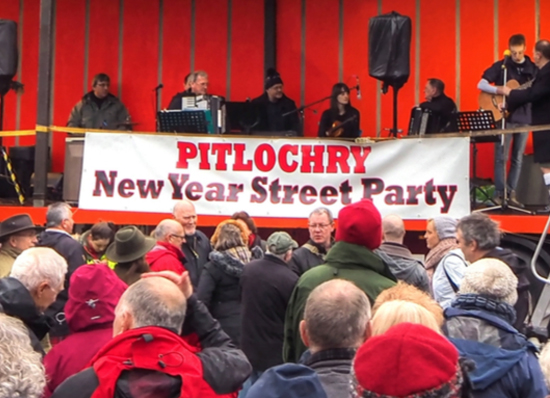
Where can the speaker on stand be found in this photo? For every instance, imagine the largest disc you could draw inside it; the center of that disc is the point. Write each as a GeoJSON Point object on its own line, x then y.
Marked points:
{"type": "Point", "coordinates": [389, 54]}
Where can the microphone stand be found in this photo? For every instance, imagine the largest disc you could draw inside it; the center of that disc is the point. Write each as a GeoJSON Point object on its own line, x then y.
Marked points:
{"type": "Point", "coordinates": [157, 104]}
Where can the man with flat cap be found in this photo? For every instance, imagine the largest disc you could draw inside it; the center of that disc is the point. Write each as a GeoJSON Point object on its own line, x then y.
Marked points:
{"type": "Point", "coordinates": [17, 233]}
{"type": "Point", "coordinates": [128, 251]}
{"type": "Point", "coordinates": [274, 104]}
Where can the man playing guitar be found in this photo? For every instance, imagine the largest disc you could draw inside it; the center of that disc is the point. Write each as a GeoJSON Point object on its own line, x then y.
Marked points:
{"type": "Point", "coordinates": [522, 69]}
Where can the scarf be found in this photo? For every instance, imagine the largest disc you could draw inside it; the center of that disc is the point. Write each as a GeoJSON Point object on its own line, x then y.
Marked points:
{"type": "Point", "coordinates": [241, 253]}
{"type": "Point", "coordinates": [473, 301]}
{"type": "Point", "coordinates": [437, 253]}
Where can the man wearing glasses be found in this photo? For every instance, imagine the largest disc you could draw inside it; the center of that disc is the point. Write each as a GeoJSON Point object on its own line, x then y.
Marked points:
{"type": "Point", "coordinates": [167, 254]}
{"type": "Point", "coordinates": [100, 109]}
{"type": "Point", "coordinates": [312, 254]}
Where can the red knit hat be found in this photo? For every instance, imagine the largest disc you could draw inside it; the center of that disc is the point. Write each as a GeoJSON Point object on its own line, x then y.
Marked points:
{"type": "Point", "coordinates": [409, 360]}
{"type": "Point", "coordinates": [361, 224]}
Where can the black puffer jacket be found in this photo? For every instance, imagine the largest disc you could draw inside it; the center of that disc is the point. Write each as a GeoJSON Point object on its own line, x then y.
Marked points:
{"type": "Point", "coordinates": [16, 301]}
{"type": "Point", "coordinates": [219, 290]}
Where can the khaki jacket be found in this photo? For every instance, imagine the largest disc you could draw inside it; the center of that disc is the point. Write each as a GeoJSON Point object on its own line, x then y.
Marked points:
{"type": "Point", "coordinates": [7, 258]}
{"type": "Point", "coordinates": [110, 116]}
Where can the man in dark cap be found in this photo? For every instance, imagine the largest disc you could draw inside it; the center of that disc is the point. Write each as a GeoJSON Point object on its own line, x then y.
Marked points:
{"type": "Point", "coordinates": [275, 104]}
{"type": "Point", "coordinates": [17, 233]}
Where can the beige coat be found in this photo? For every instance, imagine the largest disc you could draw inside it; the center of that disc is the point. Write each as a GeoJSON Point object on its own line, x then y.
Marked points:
{"type": "Point", "coordinates": [7, 258]}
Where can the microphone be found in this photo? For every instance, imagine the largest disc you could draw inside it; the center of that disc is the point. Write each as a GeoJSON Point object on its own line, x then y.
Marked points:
{"type": "Point", "coordinates": [158, 87]}
{"type": "Point", "coordinates": [507, 54]}
{"type": "Point", "coordinates": [358, 87]}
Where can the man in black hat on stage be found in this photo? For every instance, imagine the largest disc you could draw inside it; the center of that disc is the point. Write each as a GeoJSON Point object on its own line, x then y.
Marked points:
{"type": "Point", "coordinates": [274, 104]}
{"type": "Point", "coordinates": [17, 233]}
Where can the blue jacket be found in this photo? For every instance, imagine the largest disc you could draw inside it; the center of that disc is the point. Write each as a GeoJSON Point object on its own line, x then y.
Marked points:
{"type": "Point", "coordinates": [506, 365]}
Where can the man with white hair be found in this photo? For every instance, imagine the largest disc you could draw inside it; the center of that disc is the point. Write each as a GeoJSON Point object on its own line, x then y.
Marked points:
{"type": "Point", "coordinates": [148, 321]}
{"type": "Point", "coordinates": [35, 280]}
{"type": "Point", "coordinates": [167, 254]}
{"type": "Point", "coordinates": [336, 323]}
{"type": "Point", "coordinates": [195, 84]}
{"type": "Point", "coordinates": [404, 266]}
{"type": "Point", "coordinates": [57, 236]}
{"type": "Point", "coordinates": [196, 246]}
{"type": "Point", "coordinates": [479, 324]}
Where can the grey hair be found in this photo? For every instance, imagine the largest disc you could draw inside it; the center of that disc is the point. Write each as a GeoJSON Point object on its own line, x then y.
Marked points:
{"type": "Point", "coordinates": [195, 75]}
{"type": "Point", "coordinates": [152, 302]}
{"type": "Point", "coordinates": [230, 236]}
{"type": "Point", "coordinates": [323, 210]}
{"type": "Point", "coordinates": [336, 314]}
{"type": "Point", "coordinates": [479, 228]}
{"type": "Point", "coordinates": [21, 371]}
{"type": "Point", "coordinates": [164, 228]}
{"type": "Point", "coordinates": [56, 213]}
{"type": "Point", "coordinates": [37, 265]}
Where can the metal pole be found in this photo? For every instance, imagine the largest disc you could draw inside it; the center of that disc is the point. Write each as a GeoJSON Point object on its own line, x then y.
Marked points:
{"type": "Point", "coordinates": [45, 57]}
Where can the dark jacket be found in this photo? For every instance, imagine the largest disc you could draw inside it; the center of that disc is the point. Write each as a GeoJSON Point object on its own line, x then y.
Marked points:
{"type": "Point", "coordinates": [405, 267]}
{"type": "Point", "coordinates": [506, 364]}
{"type": "Point", "coordinates": [176, 101]}
{"type": "Point", "coordinates": [166, 257]}
{"type": "Point", "coordinates": [538, 95]}
{"type": "Point", "coordinates": [350, 130]}
{"type": "Point", "coordinates": [111, 116]}
{"type": "Point", "coordinates": [224, 368]}
{"type": "Point", "coordinates": [522, 73]}
{"type": "Point", "coordinates": [520, 270]}
{"type": "Point", "coordinates": [334, 370]}
{"type": "Point", "coordinates": [16, 301]}
{"type": "Point", "coordinates": [196, 250]}
{"type": "Point", "coordinates": [271, 115]}
{"type": "Point", "coordinates": [347, 261]}
{"type": "Point", "coordinates": [266, 286]}
{"type": "Point", "coordinates": [219, 290]}
{"type": "Point", "coordinates": [442, 108]}
{"type": "Point", "coordinates": [73, 253]}
{"type": "Point", "coordinates": [306, 257]}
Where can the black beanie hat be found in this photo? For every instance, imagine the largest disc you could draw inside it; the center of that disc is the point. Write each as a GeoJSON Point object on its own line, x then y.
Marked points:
{"type": "Point", "coordinates": [272, 78]}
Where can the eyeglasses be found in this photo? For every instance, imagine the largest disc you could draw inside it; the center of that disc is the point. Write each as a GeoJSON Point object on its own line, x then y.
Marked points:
{"type": "Point", "coordinates": [178, 236]}
{"type": "Point", "coordinates": [321, 226]}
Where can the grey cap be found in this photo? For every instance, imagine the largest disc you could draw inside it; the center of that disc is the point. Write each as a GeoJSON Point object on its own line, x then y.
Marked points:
{"type": "Point", "coordinates": [280, 242]}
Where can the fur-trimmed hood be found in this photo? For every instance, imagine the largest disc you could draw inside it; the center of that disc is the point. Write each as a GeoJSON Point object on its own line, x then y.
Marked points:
{"type": "Point", "coordinates": [227, 263]}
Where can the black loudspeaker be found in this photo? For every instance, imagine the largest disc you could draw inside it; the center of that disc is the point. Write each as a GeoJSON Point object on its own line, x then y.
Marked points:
{"type": "Point", "coordinates": [8, 53]}
{"type": "Point", "coordinates": [389, 48]}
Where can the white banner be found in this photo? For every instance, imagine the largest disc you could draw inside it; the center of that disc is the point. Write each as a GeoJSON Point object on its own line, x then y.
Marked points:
{"type": "Point", "coordinates": [414, 178]}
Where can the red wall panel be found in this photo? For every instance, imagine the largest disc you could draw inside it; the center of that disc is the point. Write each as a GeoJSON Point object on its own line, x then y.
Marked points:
{"type": "Point", "coordinates": [176, 49]}
{"type": "Point", "coordinates": [544, 20]}
{"type": "Point", "coordinates": [511, 22]}
{"type": "Point", "coordinates": [356, 59]}
{"type": "Point", "coordinates": [406, 96]}
{"type": "Point", "coordinates": [211, 43]}
{"type": "Point", "coordinates": [247, 49]}
{"type": "Point", "coordinates": [69, 67]}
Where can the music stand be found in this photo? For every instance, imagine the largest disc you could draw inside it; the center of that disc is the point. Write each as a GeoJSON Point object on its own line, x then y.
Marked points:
{"type": "Point", "coordinates": [472, 121]}
{"type": "Point", "coordinates": [185, 121]}
{"type": "Point", "coordinates": [243, 117]}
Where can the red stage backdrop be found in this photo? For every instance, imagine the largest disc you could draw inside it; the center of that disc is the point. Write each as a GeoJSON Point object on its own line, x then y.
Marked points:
{"type": "Point", "coordinates": [141, 43]}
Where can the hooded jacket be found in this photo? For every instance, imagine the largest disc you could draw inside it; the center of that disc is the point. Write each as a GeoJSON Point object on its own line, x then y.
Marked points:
{"type": "Point", "coordinates": [94, 293]}
{"type": "Point", "coordinates": [16, 301]}
{"type": "Point", "coordinates": [219, 290]}
{"type": "Point", "coordinates": [404, 266]}
{"type": "Point", "coordinates": [157, 357]}
{"type": "Point", "coordinates": [166, 257]}
{"type": "Point", "coordinates": [506, 365]}
{"type": "Point", "coordinates": [73, 253]}
{"type": "Point", "coordinates": [347, 261]}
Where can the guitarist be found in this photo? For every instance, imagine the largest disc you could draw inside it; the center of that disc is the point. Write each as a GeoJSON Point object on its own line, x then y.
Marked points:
{"type": "Point", "coordinates": [340, 112]}
{"type": "Point", "coordinates": [522, 69]}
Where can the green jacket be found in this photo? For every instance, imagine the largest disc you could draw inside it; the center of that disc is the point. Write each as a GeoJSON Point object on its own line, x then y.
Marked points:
{"type": "Point", "coordinates": [110, 116]}
{"type": "Point", "coordinates": [347, 261]}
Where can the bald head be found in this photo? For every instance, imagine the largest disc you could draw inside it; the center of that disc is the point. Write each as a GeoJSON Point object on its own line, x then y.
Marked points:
{"type": "Point", "coordinates": [185, 213]}
{"type": "Point", "coordinates": [337, 315]}
{"type": "Point", "coordinates": [167, 230]}
{"type": "Point", "coordinates": [393, 229]}
{"type": "Point", "coordinates": [542, 50]}
{"type": "Point", "coordinates": [153, 301]}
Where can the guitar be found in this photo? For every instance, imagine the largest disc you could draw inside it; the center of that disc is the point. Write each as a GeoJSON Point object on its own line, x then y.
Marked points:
{"type": "Point", "coordinates": [489, 102]}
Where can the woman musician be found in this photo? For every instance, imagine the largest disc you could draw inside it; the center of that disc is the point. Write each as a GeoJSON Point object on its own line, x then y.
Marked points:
{"type": "Point", "coordinates": [341, 119]}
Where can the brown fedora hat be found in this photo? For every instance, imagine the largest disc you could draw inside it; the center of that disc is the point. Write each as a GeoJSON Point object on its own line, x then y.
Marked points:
{"type": "Point", "coordinates": [130, 245]}
{"type": "Point", "coordinates": [17, 223]}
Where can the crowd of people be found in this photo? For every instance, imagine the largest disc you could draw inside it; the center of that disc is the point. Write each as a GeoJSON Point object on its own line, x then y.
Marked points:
{"type": "Point", "coordinates": [350, 313]}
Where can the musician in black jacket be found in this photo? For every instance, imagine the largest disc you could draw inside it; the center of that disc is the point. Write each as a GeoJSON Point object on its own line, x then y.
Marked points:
{"type": "Point", "coordinates": [538, 95]}
{"type": "Point", "coordinates": [340, 112]}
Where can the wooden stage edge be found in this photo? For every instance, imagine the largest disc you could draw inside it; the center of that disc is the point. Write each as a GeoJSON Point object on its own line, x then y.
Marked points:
{"type": "Point", "coordinates": [522, 224]}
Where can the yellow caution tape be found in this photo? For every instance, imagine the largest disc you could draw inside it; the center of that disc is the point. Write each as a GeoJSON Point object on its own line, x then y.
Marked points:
{"type": "Point", "coordinates": [17, 133]}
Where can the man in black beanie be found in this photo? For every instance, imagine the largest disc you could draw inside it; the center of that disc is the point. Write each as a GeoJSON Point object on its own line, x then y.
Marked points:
{"type": "Point", "coordinates": [274, 104]}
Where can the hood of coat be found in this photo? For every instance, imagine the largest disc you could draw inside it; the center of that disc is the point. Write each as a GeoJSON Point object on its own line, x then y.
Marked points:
{"type": "Point", "coordinates": [227, 263]}
{"type": "Point", "coordinates": [94, 292]}
{"type": "Point", "coordinates": [16, 301]}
